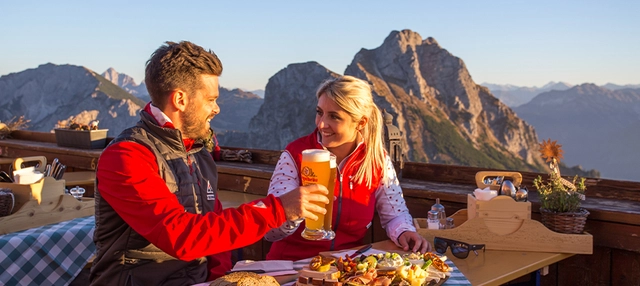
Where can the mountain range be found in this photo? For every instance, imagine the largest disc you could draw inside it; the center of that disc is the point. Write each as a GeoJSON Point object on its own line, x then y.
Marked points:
{"type": "Point", "coordinates": [444, 116]}
{"type": "Point", "coordinates": [514, 96]}
{"type": "Point", "coordinates": [597, 127]}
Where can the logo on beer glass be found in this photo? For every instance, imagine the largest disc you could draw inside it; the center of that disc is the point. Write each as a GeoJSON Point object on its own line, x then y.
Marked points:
{"type": "Point", "coordinates": [309, 176]}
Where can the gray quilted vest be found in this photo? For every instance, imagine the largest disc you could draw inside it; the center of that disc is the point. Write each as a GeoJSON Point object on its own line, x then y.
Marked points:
{"type": "Point", "coordinates": [126, 258]}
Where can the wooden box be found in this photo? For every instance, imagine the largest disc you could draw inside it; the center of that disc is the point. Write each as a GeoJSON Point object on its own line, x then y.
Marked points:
{"type": "Point", "coordinates": [83, 139]}
{"type": "Point", "coordinates": [43, 202]}
{"type": "Point", "coordinates": [503, 214]}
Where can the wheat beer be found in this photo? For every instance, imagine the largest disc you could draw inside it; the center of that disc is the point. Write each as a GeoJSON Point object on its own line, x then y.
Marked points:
{"type": "Point", "coordinates": [315, 169]}
{"type": "Point", "coordinates": [328, 217]}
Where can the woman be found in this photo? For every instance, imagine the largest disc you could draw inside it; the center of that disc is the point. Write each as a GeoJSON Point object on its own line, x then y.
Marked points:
{"type": "Point", "coordinates": [349, 125]}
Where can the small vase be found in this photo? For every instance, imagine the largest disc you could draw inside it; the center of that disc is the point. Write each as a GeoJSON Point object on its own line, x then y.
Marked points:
{"type": "Point", "coordinates": [564, 222]}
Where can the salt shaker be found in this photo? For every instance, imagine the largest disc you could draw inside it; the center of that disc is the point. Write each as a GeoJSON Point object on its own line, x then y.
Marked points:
{"type": "Point", "coordinates": [442, 216]}
{"type": "Point", "coordinates": [432, 220]}
{"type": "Point", "coordinates": [77, 192]}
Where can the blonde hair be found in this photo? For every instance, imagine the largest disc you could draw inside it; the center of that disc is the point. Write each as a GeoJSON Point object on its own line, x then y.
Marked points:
{"type": "Point", "coordinates": [353, 95]}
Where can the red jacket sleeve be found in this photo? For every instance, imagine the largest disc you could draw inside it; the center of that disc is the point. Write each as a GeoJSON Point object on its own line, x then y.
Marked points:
{"type": "Point", "coordinates": [128, 180]}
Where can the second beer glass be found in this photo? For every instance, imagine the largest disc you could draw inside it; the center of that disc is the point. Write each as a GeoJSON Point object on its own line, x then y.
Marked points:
{"type": "Point", "coordinates": [328, 217]}
{"type": "Point", "coordinates": [315, 169]}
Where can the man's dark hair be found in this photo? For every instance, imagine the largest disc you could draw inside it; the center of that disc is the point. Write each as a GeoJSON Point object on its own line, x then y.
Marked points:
{"type": "Point", "coordinates": [178, 66]}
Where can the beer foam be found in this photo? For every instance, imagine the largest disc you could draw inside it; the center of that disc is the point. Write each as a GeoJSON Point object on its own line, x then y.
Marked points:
{"type": "Point", "coordinates": [316, 155]}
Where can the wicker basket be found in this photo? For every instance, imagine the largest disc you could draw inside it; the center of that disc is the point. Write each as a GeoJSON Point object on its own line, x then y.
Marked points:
{"type": "Point", "coordinates": [567, 222]}
{"type": "Point", "coordinates": [7, 201]}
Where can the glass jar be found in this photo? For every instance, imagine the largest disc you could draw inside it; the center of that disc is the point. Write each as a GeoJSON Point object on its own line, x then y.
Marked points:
{"type": "Point", "coordinates": [442, 216]}
{"type": "Point", "coordinates": [449, 223]}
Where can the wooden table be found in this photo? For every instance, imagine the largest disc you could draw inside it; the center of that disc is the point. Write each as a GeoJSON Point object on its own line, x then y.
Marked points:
{"type": "Point", "coordinates": [493, 267]}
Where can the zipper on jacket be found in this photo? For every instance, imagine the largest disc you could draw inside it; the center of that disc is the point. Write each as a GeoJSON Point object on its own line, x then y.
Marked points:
{"type": "Point", "coordinates": [335, 229]}
{"type": "Point", "coordinates": [351, 183]}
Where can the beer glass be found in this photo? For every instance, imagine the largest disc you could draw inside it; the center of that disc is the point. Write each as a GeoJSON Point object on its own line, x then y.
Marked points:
{"type": "Point", "coordinates": [328, 217]}
{"type": "Point", "coordinates": [314, 169]}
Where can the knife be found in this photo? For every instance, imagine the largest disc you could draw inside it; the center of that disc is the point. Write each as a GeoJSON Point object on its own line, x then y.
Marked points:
{"type": "Point", "coordinates": [360, 251]}
{"type": "Point", "coordinates": [61, 170]}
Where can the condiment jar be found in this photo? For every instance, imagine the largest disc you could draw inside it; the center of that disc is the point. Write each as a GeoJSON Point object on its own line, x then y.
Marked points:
{"type": "Point", "coordinates": [432, 220]}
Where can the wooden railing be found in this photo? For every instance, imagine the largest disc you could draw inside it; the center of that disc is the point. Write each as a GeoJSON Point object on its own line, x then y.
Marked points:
{"type": "Point", "coordinates": [614, 221]}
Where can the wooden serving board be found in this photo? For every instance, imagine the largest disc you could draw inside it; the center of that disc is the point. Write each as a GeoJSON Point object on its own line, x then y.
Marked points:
{"type": "Point", "coordinates": [530, 236]}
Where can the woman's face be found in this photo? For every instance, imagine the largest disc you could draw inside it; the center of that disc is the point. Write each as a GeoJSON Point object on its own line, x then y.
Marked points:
{"type": "Point", "coordinates": [335, 125]}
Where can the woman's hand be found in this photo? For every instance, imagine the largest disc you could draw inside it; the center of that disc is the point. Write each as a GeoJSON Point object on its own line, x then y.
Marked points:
{"type": "Point", "coordinates": [411, 240]}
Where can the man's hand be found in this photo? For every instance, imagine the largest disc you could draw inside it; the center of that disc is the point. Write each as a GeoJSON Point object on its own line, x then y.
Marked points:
{"type": "Point", "coordinates": [413, 240]}
{"type": "Point", "coordinates": [301, 202]}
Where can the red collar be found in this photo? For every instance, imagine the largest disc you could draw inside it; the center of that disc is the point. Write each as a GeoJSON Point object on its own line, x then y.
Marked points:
{"type": "Point", "coordinates": [188, 142]}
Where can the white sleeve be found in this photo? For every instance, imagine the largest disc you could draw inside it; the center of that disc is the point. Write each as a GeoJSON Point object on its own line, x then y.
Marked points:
{"type": "Point", "coordinates": [392, 209]}
{"type": "Point", "coordinates": [283, 180]}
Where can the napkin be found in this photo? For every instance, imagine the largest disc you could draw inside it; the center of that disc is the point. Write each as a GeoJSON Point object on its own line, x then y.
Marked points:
{"type": "Point", "coordinates": [352, 251]}
{"type": "Point", "coordinates": [270, 267]}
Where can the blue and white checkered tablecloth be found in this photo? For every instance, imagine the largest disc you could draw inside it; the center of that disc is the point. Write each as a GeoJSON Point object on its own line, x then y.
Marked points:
{"type": "Point", "coordinates": [53, 254]}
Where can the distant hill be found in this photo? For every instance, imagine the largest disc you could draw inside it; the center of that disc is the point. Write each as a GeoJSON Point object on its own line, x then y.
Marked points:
{"type": "Point", "coordinates": [237, 106]}
{"type": "Point", "coordinates": [127, 83]}
{"type": "Point", "coordinates": [613, 86]}
{"type": "Point", "coordinates": [514, 96]}
{"type": "Point", "coordinates": [52, 93]}
{"type": "Point", "coordinates": [597, 127]}
{"type": "Point", "coordinates": [258, 92]}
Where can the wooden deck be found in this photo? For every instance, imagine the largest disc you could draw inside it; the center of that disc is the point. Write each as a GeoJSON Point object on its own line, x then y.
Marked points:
{"type": "Point", "coordinates": [614, 221]}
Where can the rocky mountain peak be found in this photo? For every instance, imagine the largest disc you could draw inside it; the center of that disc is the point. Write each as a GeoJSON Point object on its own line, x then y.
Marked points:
{"type": "Point", "coordinates": [119, 79]}
{"type": "Point", "coordinates": [418, 82]}
{"type": "Point", "coordinates": [127, 83]}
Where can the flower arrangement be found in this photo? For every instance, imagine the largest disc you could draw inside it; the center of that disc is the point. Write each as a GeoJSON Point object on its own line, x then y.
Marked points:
{"type": "Point", "coordinates": [556, 193]}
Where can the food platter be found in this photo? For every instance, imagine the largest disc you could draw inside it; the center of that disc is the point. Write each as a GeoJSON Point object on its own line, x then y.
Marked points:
{"type": "Point", "coordinates": [413, 269]}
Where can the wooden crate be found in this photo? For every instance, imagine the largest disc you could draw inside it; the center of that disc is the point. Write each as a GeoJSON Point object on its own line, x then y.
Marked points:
{"type": "Point", "coordinates": [43, 202]}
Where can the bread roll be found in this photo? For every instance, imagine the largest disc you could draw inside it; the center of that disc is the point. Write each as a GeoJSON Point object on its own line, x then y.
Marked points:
{"type": "Point", "coordinates": [245, 279]}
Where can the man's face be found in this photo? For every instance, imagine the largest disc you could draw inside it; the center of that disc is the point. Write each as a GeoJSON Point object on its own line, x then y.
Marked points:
{"type": "Point", "coordinates": [201, 108]}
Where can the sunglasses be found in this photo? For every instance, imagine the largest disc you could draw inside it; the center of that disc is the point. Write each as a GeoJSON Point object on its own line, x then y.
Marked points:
{"type": "Point", "coordinates": [458, 249]}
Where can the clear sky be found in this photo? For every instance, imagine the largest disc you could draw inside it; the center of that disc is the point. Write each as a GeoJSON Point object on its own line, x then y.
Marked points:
{"type": "Point", "coordinates": [525, 43]}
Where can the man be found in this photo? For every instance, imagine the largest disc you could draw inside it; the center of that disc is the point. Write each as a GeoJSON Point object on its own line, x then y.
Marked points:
{"type": "Point", "coordinates": [158, 219]}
